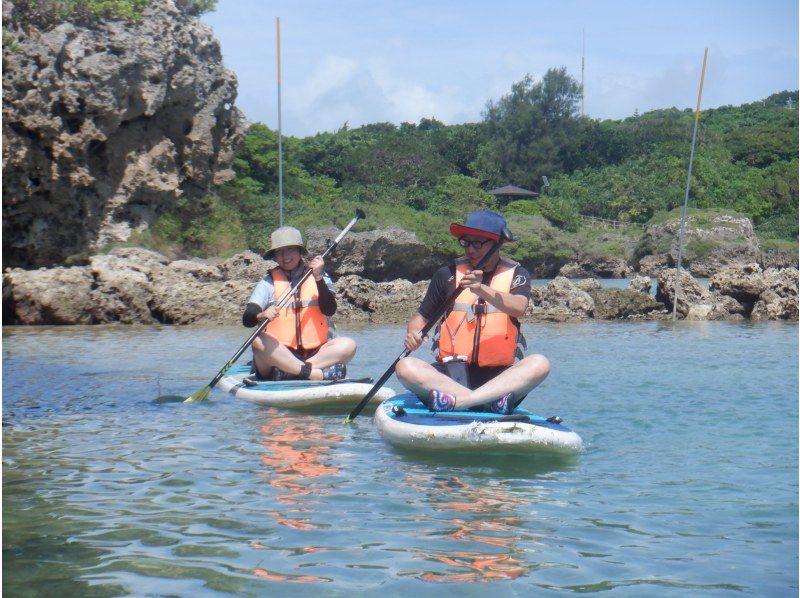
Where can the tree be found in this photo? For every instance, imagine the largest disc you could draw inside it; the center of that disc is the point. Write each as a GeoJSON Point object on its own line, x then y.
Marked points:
{"type": "Point", "coordinates": [531, 131]}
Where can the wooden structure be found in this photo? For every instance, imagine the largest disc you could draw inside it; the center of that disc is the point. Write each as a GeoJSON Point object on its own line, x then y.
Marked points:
{"type": "Point", "coordinates": [510, 192]}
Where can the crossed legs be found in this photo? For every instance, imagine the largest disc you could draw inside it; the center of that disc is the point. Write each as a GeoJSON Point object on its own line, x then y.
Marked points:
{"type": "Point", "coordinates": [520, 378]}
{"type": "Point", "coordinates": [269, 353]}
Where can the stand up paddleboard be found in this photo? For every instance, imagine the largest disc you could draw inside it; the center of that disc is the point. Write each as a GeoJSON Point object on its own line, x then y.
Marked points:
{"type": "Point", "coordinates": [297, 393]}
{"type": "Point", "coordinates": [405, 422]}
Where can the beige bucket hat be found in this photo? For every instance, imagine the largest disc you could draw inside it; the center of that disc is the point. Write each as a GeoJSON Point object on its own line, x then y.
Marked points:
{"type": "Point", "coordinates": [286, 236]}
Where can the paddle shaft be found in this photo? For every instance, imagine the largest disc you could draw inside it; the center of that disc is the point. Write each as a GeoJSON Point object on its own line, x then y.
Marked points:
{"type": "Point", "coordinates": [282, 302]}
{"type": "Point", "coordinates": [434, 319]}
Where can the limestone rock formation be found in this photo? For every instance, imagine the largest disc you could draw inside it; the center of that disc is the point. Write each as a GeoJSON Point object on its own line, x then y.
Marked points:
{"type": "Point", "coordinates": [379, 255]}
{"type": "Point", "coordinates": [710, 243]}
{"type": "Point", "coordinates": [105, 124]}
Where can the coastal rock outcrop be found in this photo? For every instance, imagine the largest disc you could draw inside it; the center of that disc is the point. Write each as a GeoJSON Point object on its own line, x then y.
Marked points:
{"type": "Point", "coordinates": [105, 124]}
{"type": "Point", "coordinates": [380, 302]}
{"type": "Point", "coordinates": [601, 267]}
{"type": "Point", "coordinates": [133, 285]}
{"type": "Point", "coordinates": [743, 291]}
{"type": "Point", "coordinates": [711, 242]}
{"type": "Point", "coordinates": [378, 255]}
{"type": "Point", "coordinates": [768, 295]}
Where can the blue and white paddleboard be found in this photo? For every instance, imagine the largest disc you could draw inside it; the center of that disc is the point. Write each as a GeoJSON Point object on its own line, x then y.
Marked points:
{"type": "Point", "coordinates": [404, 421]}
{"type": "Point", "coordinates": [298, 393]}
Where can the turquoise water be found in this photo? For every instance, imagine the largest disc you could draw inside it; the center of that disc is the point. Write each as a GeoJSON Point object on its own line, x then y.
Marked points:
{"type": "Point", "coordinates": [687, 486]}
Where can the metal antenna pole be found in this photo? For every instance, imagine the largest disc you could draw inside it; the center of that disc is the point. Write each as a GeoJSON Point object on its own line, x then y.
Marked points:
{"type": "Point", "coordinates": [280, 133]}
{"type": "Point", "coordinates": [583, 57]}
{"type": "Point", "coordinates": [676, 288]}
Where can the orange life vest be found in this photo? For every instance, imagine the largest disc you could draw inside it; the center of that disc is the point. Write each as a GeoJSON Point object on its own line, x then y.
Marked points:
{"type": "Point", "coordinates": [301, 324]}
{"type": "Point", "coordinates": [497, 343]}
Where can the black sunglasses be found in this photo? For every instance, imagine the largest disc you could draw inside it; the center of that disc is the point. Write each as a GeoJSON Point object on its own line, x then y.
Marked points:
{"type": "Point", "coordinates": [473, 244]}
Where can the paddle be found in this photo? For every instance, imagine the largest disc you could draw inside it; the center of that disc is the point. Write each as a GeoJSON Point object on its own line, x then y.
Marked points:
{"type": "Point", "coordinates": [202, 394]}
{"type": "Point", "coordinates": [505, 236]}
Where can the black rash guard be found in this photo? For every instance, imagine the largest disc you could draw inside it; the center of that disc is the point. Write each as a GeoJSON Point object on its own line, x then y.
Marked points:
{"type": "Point", "coordinates": [443, 284]}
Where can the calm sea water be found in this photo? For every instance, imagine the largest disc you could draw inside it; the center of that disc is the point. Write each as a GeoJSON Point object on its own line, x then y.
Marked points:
{"type": "Point", "coordinates": [687, 486]}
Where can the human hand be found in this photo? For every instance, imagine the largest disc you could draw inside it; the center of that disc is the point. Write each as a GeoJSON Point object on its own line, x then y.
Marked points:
{"type": "Point", "coordinates": [413, 340]}
{"type": "Point", "coordinates": [268, 314]}
{"type": "Point", "coordinates": [317, 265]}
{"type": "Point", "coordinates": [472, 280]}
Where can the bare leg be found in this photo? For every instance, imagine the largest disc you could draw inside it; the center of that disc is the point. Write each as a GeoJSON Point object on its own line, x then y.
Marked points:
{"type": "Point", "coordinates": [420, 378]}
{"type": "Point", "coordinates": [269, 353]}
{"type": "Point", "coordinates": [520, 378]}
{"type": "Point", "coordinates": [337, 350]}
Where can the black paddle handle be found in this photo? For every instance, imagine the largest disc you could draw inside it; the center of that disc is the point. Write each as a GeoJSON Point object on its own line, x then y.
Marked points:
{"type": "Point", "coordinates": [284, 300]}
{"type": "Point", "coordinates": [434, 319]}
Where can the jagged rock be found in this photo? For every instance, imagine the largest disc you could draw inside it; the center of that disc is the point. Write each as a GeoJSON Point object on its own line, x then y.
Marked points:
{"type": "Point", "coordinates": [689, 292]}
{"type": "Point", "coordinates": [779, 301]}
{"type": "Point", "coordinates": [734, 293]}
{"type": "Point", "coordinates": [769, 295]}
{"type": "Point", "coordinates": [588, 284]}
{"type": "Point", "coordinates": [641, 284]}
{"type": "Point", "coordinates": [744, 283]}
{"type": "Point", "coordinates": [711, 242]}
{"type": "Point", "coordinates": [651, 265]}
{"type": "Point", "coordinates": [602, 267]}
{"type": "Point", "coordinates": [783, 283]}
{"type": "Point", "coordinates": [560, 292]}
{"type": "Point", "coordinates": [573, 270]}
{"type": "Point", "coordinates": [779, 259]}
{"type": "Point", "coordinates": [623, 304]}
{"type": "Point", "coordinates": [54, 296]}
{"type": "Point", "coordinates": [122, 289]}
{"type": "Point", "coordinates": [105, 125]}
{"type": "Point", "coordinates": [394, 301]}
{"type": "Point", "coordinates": [132, 285]}
{"type": "Point", "coordinates": [245, 266]}
{"type": "Point", "coordinates": [379, 255]}
{"type": "Point", "coordinates": [189, 301]}
{"type": "Point", "coordinates": [781, 308]}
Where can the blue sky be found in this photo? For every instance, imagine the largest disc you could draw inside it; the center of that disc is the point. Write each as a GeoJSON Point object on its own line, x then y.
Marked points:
{"type": "Point", "coordinates": [361, 61]}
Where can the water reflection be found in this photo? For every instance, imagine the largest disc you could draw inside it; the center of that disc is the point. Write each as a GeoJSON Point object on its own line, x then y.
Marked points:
{"type": "Point", "coordinates": [482, 524]}
{"type": "Point", "coordinates": [297, 459]}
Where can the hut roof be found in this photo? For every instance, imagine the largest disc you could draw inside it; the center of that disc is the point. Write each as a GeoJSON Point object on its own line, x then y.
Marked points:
{"type": "Point", "coordinates": [513, 190]}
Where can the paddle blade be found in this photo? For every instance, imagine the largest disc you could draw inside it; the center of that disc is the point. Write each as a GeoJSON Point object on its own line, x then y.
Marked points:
{"type": "Point", "coordinates": [200, 395]}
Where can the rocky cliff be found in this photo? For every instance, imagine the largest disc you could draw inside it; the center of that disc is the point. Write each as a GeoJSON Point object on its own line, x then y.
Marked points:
{"type": "Point", "coordinates": [105, 124]}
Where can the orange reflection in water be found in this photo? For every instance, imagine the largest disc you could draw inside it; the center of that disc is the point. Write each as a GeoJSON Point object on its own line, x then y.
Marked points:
{"type": "Point", "coordinates": [489, 524]}
{"type": "Point", "coordinates": [297, 452]}
{"type": "Point", "coordinates": [296, 456]}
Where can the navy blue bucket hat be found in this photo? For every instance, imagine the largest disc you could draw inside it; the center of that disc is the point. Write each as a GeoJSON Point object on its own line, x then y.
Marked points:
{"type": "Point", "coordinates": [481, 223]}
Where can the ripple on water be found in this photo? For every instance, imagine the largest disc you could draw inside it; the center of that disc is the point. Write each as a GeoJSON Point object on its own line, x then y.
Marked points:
{"type": "Point", "coordinates": [687, 484]}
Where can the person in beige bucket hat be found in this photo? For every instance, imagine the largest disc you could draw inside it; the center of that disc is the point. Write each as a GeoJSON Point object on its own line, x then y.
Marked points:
{"type": "Point", "coordinates": [285, 236]}
{"type": "Point", "coordinates": [297, 343]}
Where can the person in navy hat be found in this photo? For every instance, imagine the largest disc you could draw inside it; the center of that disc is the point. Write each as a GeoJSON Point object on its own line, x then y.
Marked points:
{"type": "Point", "coordinates": [479, 362]}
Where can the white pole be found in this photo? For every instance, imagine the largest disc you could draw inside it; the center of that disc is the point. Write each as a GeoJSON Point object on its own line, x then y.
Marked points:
{"type": "Point", "coordinates": [583, 56]}
{"type": "Point", "coordinates": [280, 133]}
{"type": "Point", "coordinates": [676, 288]}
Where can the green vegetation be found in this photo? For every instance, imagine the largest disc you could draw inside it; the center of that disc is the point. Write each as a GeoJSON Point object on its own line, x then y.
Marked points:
{"type": "Point", "coordinates": [44, 14]}
{"type": "Point", "coordinates": [422, 176]}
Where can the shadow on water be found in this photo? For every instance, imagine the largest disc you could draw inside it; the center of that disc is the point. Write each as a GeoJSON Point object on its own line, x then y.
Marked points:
{"type": "Point", "coordinates": [169, 399]}
{"type": "Point", "coordinates": [504, 463]}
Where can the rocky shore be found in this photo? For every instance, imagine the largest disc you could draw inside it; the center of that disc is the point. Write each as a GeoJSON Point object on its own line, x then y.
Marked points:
{"type": "Point", "coordinates": [139, 286]}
